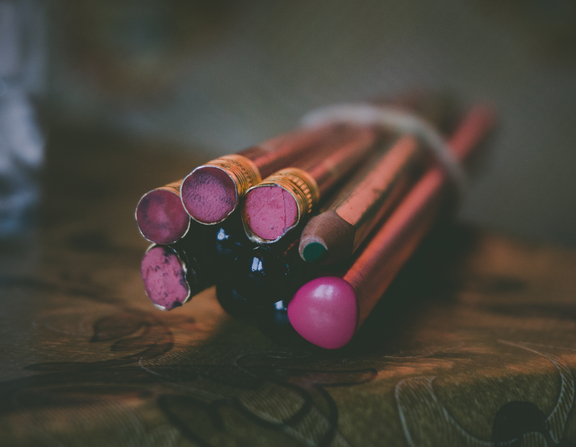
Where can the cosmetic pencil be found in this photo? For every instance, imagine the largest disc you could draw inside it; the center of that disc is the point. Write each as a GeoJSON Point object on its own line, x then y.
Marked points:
{"type": "Point", "coordinates": [334, 234]}
{"type": "Point", "coordinates": [211, 192]}
{"type": "Point", "coordinates": [328, 311]}
{"type": "Point", "coordinates": [280, 202]}
{"type": "Point", "coordinates": [173, 274]}
{"type": "Point", "coordinates": [160, 216]}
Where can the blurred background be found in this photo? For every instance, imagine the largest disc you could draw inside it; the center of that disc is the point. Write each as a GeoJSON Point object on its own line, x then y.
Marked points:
{"type": "Point", "coordinates": [215, 76]}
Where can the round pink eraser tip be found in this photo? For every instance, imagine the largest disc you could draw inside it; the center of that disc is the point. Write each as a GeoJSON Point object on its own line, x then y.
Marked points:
{"type": "Point", "coordinates": [325, 312]}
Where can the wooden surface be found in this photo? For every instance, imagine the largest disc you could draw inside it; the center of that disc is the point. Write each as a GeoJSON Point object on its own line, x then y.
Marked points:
{"type": "Point", "coordinates": [474, 344]}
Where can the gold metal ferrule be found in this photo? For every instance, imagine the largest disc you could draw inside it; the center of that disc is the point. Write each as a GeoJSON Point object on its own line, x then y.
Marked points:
{"type": "Point", "coordinates": [243, 172]}
{"type": "Point", "coordinates": [300, 185]}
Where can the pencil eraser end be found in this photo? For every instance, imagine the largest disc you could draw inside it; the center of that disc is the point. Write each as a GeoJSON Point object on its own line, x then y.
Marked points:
{"type": "Point", "coordinates": [324, 311]}
{"type": "Point", "coordinates": [209, 195]}
{"type": "Point", "coordinates": [161, 218]}
{"type": "Point", "coordinates": [270, 212]}
{"type": "Point", "coordinates": [164, 278]}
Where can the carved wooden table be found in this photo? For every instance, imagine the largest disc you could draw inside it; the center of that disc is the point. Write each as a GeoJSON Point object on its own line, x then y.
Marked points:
{"type": "Point", "coordinates": [474, 344]}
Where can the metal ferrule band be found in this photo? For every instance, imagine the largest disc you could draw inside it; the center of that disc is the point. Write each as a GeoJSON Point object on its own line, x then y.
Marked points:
{"type": "Point", "coordinates": [299, 184]}
{"type": "Point", "coordinates": [243, 172]}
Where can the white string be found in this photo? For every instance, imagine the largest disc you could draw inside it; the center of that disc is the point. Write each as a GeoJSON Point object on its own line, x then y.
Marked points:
{"type": "Point", "coordinates": [399, 121]}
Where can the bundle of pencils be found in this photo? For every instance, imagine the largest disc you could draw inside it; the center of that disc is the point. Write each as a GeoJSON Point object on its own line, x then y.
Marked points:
{"type": "Point", "coordinates": [303, 233]}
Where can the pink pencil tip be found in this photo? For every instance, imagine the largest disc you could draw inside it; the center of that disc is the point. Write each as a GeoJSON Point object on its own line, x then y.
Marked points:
{"type": "Point", "coordinates": [325, 312]}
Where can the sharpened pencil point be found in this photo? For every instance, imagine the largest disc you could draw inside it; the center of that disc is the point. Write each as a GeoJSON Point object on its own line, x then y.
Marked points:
{"type": "Point", "coordinates": [314, 252]}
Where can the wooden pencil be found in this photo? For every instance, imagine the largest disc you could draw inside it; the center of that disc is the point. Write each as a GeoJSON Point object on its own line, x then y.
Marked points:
{"type": "Point", "coordinates": [211, 192]}
{"type": "Point", "coordinates": [336, 233]}
{"type": "Point", "coordinates": [280, 202]}
{"type": "Point", "coordinates": [328, 311]}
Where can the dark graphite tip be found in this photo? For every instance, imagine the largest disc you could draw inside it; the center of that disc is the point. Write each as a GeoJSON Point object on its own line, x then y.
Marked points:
{"type": "Point", "coordinates": [314, 252]}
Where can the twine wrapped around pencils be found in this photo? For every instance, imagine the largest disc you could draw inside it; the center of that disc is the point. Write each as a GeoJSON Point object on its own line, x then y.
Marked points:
{"type": "Point", "coordinates": [399, 121]}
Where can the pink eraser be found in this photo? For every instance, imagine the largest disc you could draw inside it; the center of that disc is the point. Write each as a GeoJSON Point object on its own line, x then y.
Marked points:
{"type": "Point", "coordinates": [270, 211]}
{"type": "Point", "coordinates": [325, 312]}
{"type": "Point", "coordinates": [161, 217]}
{"type": "Point", "coordinates": [209, 195]}
{"type": "Point", "coordinates": [164, 278]}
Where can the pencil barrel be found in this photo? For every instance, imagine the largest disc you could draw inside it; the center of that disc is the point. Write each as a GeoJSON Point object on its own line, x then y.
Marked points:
{"type": "Point", "coordinates": [383, 187]}
{"type": "Point", "coordinates": [345, 157]}
{"type": "Point", "coordinates": [295, 147]}
{"type": "Point", "coordinates": [384, 255]}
